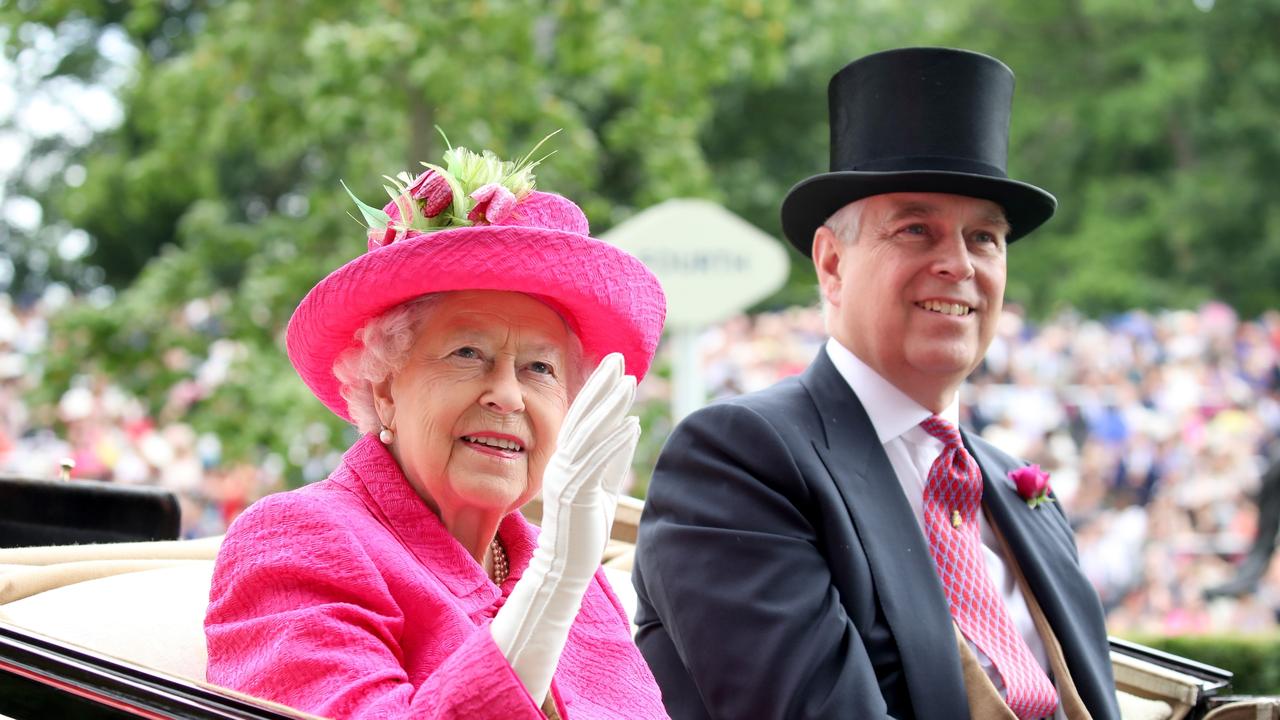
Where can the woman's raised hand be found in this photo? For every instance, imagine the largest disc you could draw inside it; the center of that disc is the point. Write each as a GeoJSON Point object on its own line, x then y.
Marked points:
{"type": "Point", "coordinates": [579, 497]}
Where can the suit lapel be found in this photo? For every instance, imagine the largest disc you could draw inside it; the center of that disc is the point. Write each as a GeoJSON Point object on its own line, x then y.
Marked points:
{"type": "Point", "coordinates": [1040, 543]}
{"type": "Point", "coordinates": [1042, 547]}
{"type": "Point", "coordinates": [907, 585]}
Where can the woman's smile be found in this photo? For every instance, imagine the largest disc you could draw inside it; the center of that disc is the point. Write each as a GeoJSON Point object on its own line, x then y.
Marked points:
{"type": "Point", "coordinates": [497, 445]}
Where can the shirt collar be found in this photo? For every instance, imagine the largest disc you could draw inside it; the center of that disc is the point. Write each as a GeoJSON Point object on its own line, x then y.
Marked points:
{"type": "Point", "coordinates": [891, 411]}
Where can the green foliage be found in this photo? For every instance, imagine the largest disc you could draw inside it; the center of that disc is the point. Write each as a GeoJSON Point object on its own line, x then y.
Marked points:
{"type": "Point", "coordinates": [1153, 123]}
{"type": "Point", "coordinates": [223, 179]}
{"type": "Point", "coordinates": [1254, 659]}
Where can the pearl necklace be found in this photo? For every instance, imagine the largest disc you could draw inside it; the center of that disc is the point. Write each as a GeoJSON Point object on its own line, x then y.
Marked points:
{"type": "Point", "coordinates": [498, 560]}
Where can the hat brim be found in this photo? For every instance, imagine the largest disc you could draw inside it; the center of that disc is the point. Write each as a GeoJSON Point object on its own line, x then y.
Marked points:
{"type": "Point", "coordinates": [611, 301]}
{"type": "Point", "coordinates": [813, 200]}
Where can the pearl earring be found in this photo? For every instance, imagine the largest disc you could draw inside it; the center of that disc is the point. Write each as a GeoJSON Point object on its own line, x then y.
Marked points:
{"type": "Point", "coordinates": [386, 436]}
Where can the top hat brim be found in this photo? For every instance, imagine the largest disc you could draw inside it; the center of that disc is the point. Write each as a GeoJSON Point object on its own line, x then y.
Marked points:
{"type": "Point", "coordinates": [813, 200]}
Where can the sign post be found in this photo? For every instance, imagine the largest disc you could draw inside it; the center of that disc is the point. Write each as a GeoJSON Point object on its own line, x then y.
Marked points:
{"type": "Point", "coordinates": [711, 264]}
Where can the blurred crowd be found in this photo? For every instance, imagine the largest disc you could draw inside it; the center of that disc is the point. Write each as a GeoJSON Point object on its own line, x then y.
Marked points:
{"type": "Point", "coordinates": [110, 434]}
{"type": "Point", "coordinates": [1155, 428]}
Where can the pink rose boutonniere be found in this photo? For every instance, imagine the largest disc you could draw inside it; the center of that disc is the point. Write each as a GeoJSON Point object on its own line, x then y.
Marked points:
{"type": "Point", "coordinates": [1032, 484]}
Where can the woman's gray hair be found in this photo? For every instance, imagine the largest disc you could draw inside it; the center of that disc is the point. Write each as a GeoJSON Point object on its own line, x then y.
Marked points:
{"type": "Point", "coordinates": [382, 348]}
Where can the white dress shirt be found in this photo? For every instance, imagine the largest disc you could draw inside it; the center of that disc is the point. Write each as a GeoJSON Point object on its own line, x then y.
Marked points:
{"type": "Point", "coordinates": [912, 451]}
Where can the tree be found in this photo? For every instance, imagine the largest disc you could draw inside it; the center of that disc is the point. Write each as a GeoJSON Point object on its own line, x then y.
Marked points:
{"type": "Point", "coordinates": [1152, 123]}
{"type": "Point", "coordinates": [229, 158]}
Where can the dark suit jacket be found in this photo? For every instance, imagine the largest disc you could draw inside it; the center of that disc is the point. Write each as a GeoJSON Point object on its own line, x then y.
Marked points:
{"type": "Point", "coordinates": [781, 573]}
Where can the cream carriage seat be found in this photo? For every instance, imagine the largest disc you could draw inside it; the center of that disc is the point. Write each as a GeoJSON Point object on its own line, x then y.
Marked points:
{"type": "Point", "coordinates": [140, 602]}
{"type": "Point", "coordinates": [145, 603]}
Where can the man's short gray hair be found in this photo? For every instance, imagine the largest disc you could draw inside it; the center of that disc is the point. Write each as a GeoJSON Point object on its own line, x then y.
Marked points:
{"type": "Point", "coordinates": [845, 224]}
{"type": "Point", "coordinates": [382, 348]}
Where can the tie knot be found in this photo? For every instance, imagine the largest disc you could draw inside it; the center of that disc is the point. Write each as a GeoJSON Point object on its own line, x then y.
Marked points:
{"type": "Point", "coordinates": [942, 430]}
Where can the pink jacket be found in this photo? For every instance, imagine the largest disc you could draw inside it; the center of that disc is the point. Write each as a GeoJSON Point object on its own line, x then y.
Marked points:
{"type": "Point", "coordinates": [348, 598]}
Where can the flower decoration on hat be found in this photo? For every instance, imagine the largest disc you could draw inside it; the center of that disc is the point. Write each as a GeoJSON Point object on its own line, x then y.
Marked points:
{"type": "Point", "coordinates": [476, 222]}
{"type": "Point", "coordinates": [1032, 485]}
{"type": "Point", "coordinates": [469, 189]}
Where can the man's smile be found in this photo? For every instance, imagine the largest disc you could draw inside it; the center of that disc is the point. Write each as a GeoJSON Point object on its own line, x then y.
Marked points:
{"type": "Point", "coordinates": [945, 308]}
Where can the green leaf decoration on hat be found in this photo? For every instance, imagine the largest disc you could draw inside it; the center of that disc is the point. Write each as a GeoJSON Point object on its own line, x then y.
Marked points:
{"type": "Point", "coordinates": [372, 215]}
{"type": "Point", "coordinates": [465, 171]}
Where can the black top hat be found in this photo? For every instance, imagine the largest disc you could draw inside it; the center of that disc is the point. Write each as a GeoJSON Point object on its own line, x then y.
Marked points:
{"type": "Point", "coordinates": [917, 120]}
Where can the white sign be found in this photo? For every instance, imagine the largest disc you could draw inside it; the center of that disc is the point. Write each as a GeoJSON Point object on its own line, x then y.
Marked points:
{"type": "Point", "coordinates": [711, 263]}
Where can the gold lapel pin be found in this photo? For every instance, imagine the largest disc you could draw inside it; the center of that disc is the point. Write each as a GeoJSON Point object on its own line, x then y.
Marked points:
{"type": "Point", "coordinates": [956, 520]}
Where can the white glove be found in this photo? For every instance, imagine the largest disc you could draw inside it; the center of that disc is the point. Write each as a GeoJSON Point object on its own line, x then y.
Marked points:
{"type": "Point", "coordinates": [579, 496]}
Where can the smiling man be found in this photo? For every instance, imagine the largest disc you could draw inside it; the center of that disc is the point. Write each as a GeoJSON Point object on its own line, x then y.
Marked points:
{"type": "Point", "coordinates": [835, 546]}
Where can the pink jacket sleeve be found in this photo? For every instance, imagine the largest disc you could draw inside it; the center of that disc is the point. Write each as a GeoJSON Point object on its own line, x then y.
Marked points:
{"type": "Point", "coordinates": [299, 614]}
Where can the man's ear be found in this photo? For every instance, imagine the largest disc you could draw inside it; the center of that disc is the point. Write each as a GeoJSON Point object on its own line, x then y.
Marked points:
{"type": "Point", "coordinates": [383, 403]}
{"type": "Point", "coordinates": [827, 253]}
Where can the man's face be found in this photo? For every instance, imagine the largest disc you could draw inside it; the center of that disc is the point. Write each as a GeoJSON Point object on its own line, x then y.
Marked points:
{"type": "Point", "coordinates": [917, 294]}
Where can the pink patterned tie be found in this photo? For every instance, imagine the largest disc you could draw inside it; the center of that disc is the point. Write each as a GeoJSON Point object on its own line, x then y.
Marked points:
{"type": "Point", "coordinates": [952, 499]}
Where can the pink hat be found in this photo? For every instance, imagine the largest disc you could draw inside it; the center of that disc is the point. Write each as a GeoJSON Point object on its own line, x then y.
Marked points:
{"type": "Point", "coordinates": [479, 225]}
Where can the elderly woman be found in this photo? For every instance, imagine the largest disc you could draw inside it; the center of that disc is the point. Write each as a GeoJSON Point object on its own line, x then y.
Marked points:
{"type": "Point", "coordinates": [407, 584]}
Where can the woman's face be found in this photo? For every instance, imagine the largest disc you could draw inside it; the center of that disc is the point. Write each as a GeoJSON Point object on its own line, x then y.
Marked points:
{"type": "Point", "coordinates": [478, 405]}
